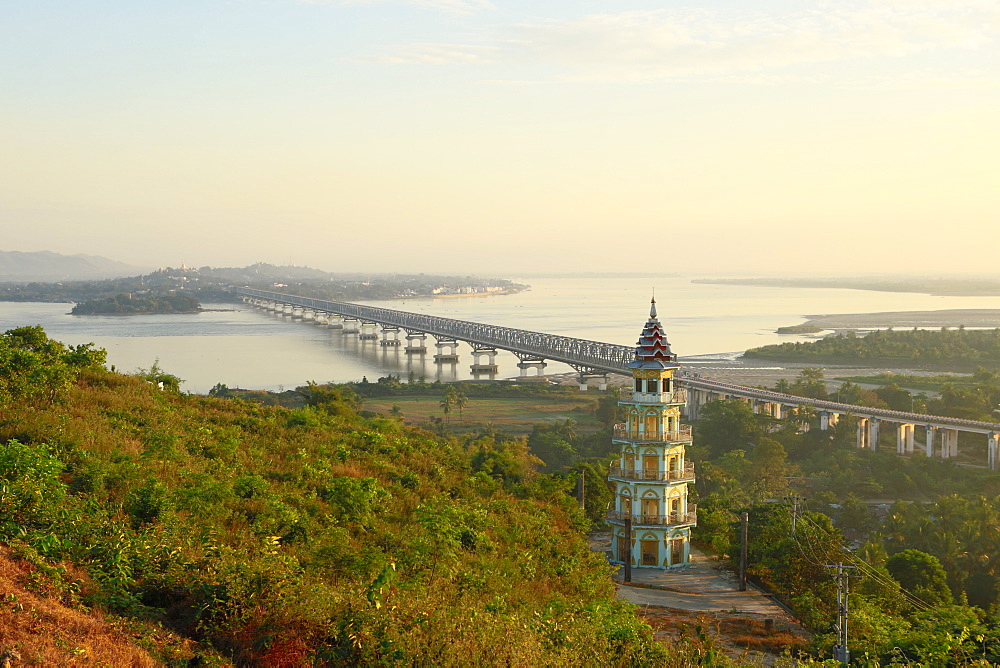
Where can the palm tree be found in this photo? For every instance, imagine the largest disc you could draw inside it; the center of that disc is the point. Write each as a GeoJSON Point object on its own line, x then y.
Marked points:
{"type": "Point", "coordinates": [461, 401]}
{"type": "Point", "coordinates": [447, 401]}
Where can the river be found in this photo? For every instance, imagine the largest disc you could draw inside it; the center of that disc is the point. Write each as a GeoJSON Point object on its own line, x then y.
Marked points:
{"type": "Point", "coordinates": [242, 347]}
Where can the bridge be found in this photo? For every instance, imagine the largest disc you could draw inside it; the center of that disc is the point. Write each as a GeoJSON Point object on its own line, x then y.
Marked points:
{"type": "Point", "coordinates": [596, 360]}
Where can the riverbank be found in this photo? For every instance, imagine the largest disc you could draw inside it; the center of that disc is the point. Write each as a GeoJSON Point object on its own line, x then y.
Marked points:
{"type": "Point", "coordinates": [905, 319]}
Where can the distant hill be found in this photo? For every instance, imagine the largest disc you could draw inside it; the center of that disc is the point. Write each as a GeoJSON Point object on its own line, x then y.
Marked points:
{"type": "Point", "coordinates": [48, 266]}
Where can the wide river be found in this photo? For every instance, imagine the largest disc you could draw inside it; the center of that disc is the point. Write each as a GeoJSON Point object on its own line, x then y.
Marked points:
{"type": "Point", "coordinates": [247, 348]}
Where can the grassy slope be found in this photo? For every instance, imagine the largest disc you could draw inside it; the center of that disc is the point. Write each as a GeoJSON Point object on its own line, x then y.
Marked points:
{"type": "Point", "coordinates": [276, 536]}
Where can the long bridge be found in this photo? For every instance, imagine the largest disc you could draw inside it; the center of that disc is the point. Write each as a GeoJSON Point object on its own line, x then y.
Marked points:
{"type": "Point", "coordinates": [596, 360]}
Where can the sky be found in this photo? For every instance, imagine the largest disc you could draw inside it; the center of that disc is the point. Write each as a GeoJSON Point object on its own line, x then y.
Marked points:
{"type": "Point", "coordinates": [495, 137]}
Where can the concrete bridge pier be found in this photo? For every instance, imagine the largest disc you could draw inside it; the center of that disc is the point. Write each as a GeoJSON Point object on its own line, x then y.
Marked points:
{"type": "Point", "coordinates": [390, 336]}
{"type": "Point", "coordinates": [865, 430]}
{"type": "Point", "coordinates": [416, 343]}
{"type": "Point", "coordinates": [904, 438]}
{"type": "Point", "coordinates": [335, 321]}
{"type": "Point", "coordinates": [287, 309]}
{"type": "Point", "coordinates": [352, 325]}
{"type": "Point", "coordinates": [298, 312]}
{"type": "Point", "coordinates": [478, 353]}
{"type": "Point", "coordinates": [949, 443]}
{"type": "Point", "coordinates": [528, 362]}
{"type": "Point", "coordinates": [930, 435]}
{"type": "Point", "coordinates": [368, 331]}
{"type": "Point", "coordinates": [586, 373]}
{"type": "Point", "coordinates": [992, 443]}
{"type": "Point", "coordinates": [446, 357]}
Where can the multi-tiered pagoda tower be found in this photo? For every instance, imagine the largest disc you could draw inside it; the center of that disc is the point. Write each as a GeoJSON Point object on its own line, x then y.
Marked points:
{"type": "Point", "coordinates": [652, 519]}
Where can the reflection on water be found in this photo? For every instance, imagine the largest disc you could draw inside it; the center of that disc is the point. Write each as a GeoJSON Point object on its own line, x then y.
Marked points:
{"type": "Point", "coordinates": [244, 347]}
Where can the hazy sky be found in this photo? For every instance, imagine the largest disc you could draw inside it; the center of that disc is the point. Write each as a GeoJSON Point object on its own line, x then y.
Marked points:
{"type": "Point", "coordinates": [497, 137]}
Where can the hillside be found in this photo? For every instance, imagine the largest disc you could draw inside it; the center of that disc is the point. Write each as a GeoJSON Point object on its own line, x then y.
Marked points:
{"type": "Point", "coordinates": [48, 266]}
{"type": "Point", "coordinates": [276, 536]}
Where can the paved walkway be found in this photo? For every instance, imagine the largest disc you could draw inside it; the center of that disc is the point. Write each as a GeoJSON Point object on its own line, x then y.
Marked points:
{"type": "Point", "coordinates": [700, 586]}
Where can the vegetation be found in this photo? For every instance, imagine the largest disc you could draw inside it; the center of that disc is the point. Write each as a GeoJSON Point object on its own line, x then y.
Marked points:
{"type": "Point", "coordinates": [925, 586]}
{"type": "Point", "coordinates": [799, 329]}
{"type": "Point", "coordinates": [264, 535]}
{"type": "Point", "coordinates": [209, 284]}
{"type": "Point", "coordinates": [969, 347]}
{"type": "Point", "coordinates": [125, 304]}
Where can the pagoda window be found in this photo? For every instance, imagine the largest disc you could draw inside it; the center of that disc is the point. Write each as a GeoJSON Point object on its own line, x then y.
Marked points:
{"type": "Point", "coordinates": [626, 505]}
{"type": "Point", "coordinates": [650, 507]}
{"type": "Point", "coordinates": [667, 384]}
{"type": "Point", "coordinates": [638, 384]}
{"type": "Point", "coordinates": [650, 549]}
{"type": "Point", "coordinates": [652, 386]}
{"type": "Point", "coordinates": [650, 463]}
{"type": "Point", "coordinates": [652, 425]}
{"type": "Point", "coordinates": [623, 551]}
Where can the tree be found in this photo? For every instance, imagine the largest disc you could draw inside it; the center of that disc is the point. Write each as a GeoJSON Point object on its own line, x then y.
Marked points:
{"type": "Point", "coordinates": [461, 401]}
{"type": "Point", "coordinates": [920, 574]}
{"type": "Point", "coordinates": [726, 425]}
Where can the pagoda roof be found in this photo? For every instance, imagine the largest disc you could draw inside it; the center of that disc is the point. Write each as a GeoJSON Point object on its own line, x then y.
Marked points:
{"type": "Point", "coordinates": [652, 349]}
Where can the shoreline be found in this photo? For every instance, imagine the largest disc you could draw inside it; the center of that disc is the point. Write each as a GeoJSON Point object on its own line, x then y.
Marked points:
{"type": "Point", "coordinates": [983, 318]}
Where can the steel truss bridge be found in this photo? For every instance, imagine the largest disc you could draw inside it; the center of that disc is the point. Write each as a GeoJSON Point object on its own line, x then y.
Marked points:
{"type": "Point", "coordinates": [585, 356]}
{"type": "Point", "coordinates": [594, 358]}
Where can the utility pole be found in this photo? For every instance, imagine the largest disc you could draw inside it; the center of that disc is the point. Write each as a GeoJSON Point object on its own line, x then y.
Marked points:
{"type": "Point", "coordinates": [840, 651]}
{"type": "Point", "coordinates": [744, 523]}
{"type": "Point", "coordinates": [794, 498]}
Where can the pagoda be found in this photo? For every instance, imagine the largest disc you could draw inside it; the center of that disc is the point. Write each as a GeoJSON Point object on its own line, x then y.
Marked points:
{"type": "Point", "coordinates": [652, 519]}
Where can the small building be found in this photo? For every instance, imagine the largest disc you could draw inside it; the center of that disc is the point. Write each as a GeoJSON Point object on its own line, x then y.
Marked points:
{"type": "Point", "coordinates": [651, 519]}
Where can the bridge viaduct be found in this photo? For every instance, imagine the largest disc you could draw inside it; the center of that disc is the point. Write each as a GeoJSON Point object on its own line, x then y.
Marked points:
{"type": "Point", "coordinates": [593, 359]}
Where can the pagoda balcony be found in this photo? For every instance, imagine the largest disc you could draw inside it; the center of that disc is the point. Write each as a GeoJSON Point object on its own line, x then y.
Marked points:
{"type": "Point", "coordinates": [622, 433]}
{"type": "Point", "coordinates": [675, 397]}
{"type": "Point", "coordinates": [669, 520]}
{"type": "Point", "coordinates": [680, 475]}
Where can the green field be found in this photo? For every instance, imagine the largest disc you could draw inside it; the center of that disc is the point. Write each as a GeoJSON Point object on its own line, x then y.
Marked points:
{"type": "Point", "coordinates": [515, 415]}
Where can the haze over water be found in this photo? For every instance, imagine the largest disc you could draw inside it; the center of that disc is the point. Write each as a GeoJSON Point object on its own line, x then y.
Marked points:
{"type": "Point", "coordinates": [247, 348]}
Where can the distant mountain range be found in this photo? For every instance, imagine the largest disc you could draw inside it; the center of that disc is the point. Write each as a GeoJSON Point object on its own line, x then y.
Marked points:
{"type": "Point", "coordinates": [48, 267]}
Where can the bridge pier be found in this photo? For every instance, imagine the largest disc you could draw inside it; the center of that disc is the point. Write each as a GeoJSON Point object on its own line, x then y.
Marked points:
{"type": "Point", "coordinates": [351, 325]}
{"type": "Point", "coordinates": [334, 321]}
{"type": "Point", "coordinates": [478, 352]}
{"type": "Point", "coordinates": [868, 433]}
{"type": "Point", "coordinates": [929, 435]}
{"type": "Point", "coordinates": [904, 438]}
{"type": "Point", "coordinates": [528, 362]}
{"type": "Point", "coordinates": [449, 357]}
{"type": "Point", "coordinates": [992, 443]}
{"type": "Point", "coordinates": [419, 348]}
{"type": "Point", "coordinates": [390, 336]}
{"type": "Point", "coordinates": [949, 443]}
{"type": "Point", "coordinates": [368, 331]}
{"type": "Point", "coordinates": [586, 373]}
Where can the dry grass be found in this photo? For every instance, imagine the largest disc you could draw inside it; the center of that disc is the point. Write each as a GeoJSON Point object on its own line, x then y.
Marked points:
{"type": "Point", "coordinates": [512, 415]}
{"type": "Point", "coordinates": [45, 632]}
{"type": "Point", "coordinates": [736, 635]}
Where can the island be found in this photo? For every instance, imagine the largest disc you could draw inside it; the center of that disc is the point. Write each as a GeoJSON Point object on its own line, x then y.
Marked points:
{"type": "Point", "coordinates": [126, 304]}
